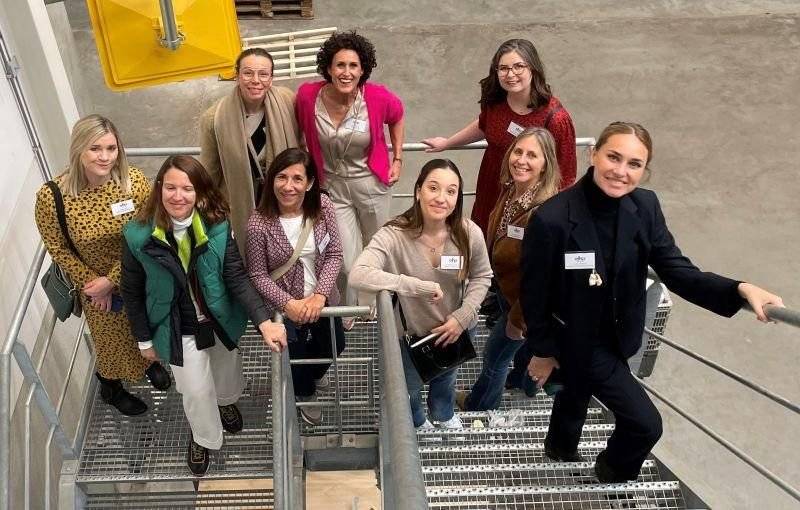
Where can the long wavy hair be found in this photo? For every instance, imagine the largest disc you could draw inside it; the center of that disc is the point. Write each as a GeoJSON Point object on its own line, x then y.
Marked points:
{"type": "Point", "coordinates": [413, 221]}
{"type": "Point", "coordinates": [86, 132]}
{"type": "Point", "coordinates": [550, 179]}
{"type": "Point", "coordinates": [491, 91]}
{"type": "Point", "coordinates": [209, 202]}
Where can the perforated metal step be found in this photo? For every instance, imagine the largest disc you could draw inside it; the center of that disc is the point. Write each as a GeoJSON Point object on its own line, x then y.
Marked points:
{"type": "Point", "coordinates": [524, 417]}
{"type": "Point", "coordinates": [502, 435]}
{"type": "Point", "coordinates": [496, 453]}
{"type": "Point", "coordinates": [514, 475]}
{"type": "Point", "coordinates": [639, 495]}
{"type": "Point", "coordinates": [189, 500]}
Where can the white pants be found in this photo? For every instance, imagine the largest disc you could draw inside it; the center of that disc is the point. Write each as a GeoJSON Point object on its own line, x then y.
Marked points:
{"type": "Point", "coordinates": [362, 207]}
{"type": "Point", "coordinates": [208, 378]}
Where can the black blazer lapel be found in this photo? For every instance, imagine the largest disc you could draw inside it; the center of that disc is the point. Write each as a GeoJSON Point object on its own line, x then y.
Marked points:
{"type": "Point", "coordinates": [583, 231]}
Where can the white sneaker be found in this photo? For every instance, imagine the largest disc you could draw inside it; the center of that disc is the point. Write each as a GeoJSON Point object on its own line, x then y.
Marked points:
{"type": "Point", "coordinates": [323, 383]}
{"type": "Point", "coordinates": [452, 423]}
{"type": "Point", "coordinates": [426, 426]}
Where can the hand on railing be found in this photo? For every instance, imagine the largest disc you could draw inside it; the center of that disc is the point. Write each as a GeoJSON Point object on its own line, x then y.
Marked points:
{"type": "Point", "coordinates": [758, 298]}
{"type": "Point", "coordinates": [274, 335]}
{"type": "Point", "coordinates": [435, 144]}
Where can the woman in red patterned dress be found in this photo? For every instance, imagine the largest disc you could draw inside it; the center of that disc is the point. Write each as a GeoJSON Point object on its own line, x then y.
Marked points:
{"type": "Point", "coordinates": [515, 95]}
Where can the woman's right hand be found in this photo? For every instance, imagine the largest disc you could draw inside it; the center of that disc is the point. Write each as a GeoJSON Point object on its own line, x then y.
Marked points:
{"type": "Point", "coordinates": [274, 335]}
{"type": "Point", "coordinates": [540, 369]}
{"type": "Point", "coordinates": [435, 144]}
{"type": "Point", "coordinates": [149, 354]}
{"type": "Point", "coordinates": [438, 295]}
{"type": "Point", "coordinates": [294, 310]}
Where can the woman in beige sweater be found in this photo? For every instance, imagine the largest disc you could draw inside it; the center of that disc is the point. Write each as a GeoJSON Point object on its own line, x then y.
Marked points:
{"type": "Point", "coordinates": [436, 262]}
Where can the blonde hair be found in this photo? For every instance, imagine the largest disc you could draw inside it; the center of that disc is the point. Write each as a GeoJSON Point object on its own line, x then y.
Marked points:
{"type": "Point", "coordinates": [550, 179]}
{"type": "Point", "coordinates": [84, 133]}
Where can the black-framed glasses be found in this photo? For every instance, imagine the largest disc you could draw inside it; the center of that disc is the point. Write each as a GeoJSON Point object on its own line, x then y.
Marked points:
{"type": "Point", "coordinates": [517, 68]}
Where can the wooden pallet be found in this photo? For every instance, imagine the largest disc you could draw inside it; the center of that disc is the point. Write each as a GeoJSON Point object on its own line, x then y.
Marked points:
{"type": "Point", "coordinates": [275, 9]}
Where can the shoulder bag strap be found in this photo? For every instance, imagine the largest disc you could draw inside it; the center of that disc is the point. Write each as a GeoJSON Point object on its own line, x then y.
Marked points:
{"type": "Point", "coordinates": [62, 217]}
{"type": "Point", "coordinates": [301, 242]}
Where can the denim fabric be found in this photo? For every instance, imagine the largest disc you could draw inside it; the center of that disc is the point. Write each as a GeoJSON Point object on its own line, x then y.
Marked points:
{"type": "Point", "coordinates": [441, 391]}
{"type": "Point", "coordinates": [487, 391]}
{"type": "Point", "coordinates": [311, 341]}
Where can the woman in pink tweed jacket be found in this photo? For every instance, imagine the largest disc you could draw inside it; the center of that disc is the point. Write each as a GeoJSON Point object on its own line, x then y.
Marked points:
{"type": "Point", "coordinates": [290, 200]}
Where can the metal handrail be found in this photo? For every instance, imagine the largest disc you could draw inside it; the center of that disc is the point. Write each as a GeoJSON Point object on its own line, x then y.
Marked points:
{"type": "Point", "coordinates": [408, 146]}
{"type": "Point", "coordinates": [769, 475]}
{"type": "Point", "coordinates": [402, 485]}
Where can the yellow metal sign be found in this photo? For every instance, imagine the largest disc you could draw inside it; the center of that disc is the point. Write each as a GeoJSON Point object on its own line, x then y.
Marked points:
{"type": "Point", "coordinates": [128, 35]}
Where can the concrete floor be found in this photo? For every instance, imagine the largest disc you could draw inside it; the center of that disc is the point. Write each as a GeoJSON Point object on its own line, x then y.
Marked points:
{"type": "Point", "coordinates": [717, 85]}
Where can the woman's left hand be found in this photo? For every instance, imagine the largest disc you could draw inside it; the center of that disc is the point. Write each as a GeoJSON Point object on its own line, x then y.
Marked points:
{"type": "Point", "coordinates": [102, 302]}
{"type": "Point", "coordinates": [513, 332]}
{"type": "Point", "coordinates": [394, 171]}
{"type": "Point", "coordinates": [98, 287]}
{"type": "Point", "coordinates": [312, 306]}
{"type": "Point", "coordinates": [448, 332]}
{"type": "Point", "coordinates": [274, 335]}
{"type": "Point", "coordinates": [758, 298]}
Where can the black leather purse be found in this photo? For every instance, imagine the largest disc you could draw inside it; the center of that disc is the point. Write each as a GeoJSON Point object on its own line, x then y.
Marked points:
{"type": "Point", "coordinates": [431, 360]}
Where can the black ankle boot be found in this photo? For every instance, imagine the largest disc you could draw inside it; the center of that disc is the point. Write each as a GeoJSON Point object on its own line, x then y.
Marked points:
{"type": "Point", "coordinates": [112, 392]}
{"type": "Point", "coordinates": [158, 375]}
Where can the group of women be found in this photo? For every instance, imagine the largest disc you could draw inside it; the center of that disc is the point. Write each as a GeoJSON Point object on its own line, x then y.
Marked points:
{"type": "Point", "coordinates": [288, 210]}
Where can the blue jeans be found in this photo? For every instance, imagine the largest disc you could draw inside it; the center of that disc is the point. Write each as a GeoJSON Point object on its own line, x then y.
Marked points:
{"type": "Point", "coordinates": [497, 354]}
{"type": "Point", "coordinates": [441, 391]}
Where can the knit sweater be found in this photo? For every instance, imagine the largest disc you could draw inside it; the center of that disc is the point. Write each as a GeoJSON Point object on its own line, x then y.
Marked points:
{"type": "Point", "coordinates": [392, 261]}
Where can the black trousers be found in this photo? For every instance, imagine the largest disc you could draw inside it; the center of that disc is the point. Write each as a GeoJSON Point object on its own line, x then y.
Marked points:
{"type": "Point", "coordinates": [310, 341]}
{"type": "Point", "coordinates": [638, 424]}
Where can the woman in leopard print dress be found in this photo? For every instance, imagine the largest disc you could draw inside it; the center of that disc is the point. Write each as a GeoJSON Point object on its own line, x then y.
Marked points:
{"type": "Point", "coordinates": [101, 193]}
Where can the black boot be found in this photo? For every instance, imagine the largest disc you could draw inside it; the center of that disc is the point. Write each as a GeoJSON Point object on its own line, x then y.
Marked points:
{"type": "Point", "coordinates": [607, 474]}
{"type": "Point", "coordinates": [112, 392]}
{"type": "Point", "coordinates": [559, 455]}
{"type": "Point", "coordinates": [158, 375]}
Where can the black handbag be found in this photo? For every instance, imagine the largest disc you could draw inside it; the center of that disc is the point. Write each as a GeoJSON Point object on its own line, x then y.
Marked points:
{"type": "Point", "coordinates": [431, 360]}
{"type": "Point", "coordinates": [62, 293]}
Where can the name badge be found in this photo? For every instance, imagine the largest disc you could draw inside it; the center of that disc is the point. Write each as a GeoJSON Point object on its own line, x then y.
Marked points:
{"type": "Point", "coordinates": [451, 262]}
{"type": "Point", "coordinates": [356, 125]}
{"type": "Point", "coordinates": [123, 207]}
{"type": "Point", "coordinates": [515, 232]}
{"type": "Point", "coordinates": [514, 128]}
{"type": "Point", "coordinates": [579, 260]}
{"type": "Point", "coordinates": [324, 243]}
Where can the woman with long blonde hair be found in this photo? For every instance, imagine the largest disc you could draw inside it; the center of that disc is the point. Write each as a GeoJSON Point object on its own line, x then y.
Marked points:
{"type": "Point", "coordinates": [100, 192]}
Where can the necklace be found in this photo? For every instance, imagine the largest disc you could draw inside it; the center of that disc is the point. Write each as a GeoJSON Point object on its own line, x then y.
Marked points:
{"type": "Point", "coordinates": [433, 249]}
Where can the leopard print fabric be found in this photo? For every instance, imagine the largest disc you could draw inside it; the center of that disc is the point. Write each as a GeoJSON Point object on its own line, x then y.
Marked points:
{"type": "Point", "coordinates": [97, 235]}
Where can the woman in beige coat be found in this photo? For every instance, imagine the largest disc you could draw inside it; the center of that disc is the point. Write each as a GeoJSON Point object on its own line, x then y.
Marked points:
{"type": "Point", "coordinates": [241, 134]}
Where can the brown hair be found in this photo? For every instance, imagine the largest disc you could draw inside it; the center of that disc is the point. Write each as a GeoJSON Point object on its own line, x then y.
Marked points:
{"type": "Point", "coordinates": [550, 179]}
{"type": "Point", "coordinates": [209, 202]}
{"type": "Point", "coordinates": [339, 41]}
{"type": "Point", "coordinates": [412, 219]}
{"type": "Point", "coordinates": [491, 91]}
{"type": "Point", "coordinates": [628, 128]}
{"type": "Point", "coordinates": [259, 52]}
{"type": "Point", "coordinates": [312, 204]}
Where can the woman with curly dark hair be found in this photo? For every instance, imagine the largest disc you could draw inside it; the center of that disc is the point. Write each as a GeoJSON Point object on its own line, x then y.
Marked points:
{"type": "Point", "coordinates": [514, 95]}
{"type": "Point", "coordinates": [342, 119]}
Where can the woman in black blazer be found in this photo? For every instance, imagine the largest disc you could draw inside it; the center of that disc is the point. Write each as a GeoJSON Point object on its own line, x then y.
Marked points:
{"type": "Point", "coordinates": [584, 260]}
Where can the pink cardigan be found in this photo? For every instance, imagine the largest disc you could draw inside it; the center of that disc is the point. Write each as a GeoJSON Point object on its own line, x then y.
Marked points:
{"type": "Point", "coordinates": [383, 107]}
{"type": "Point", "coordinates": [268, 248]}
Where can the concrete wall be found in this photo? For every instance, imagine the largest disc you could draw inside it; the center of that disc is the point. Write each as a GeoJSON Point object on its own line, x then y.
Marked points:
{"type": "Point", "coordinates": [715, 82]}
{"type": "Point", "coordinates": [26, 29]}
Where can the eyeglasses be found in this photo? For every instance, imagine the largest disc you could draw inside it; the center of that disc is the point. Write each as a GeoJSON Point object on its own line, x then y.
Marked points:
{"type": "Point", "coordinates": [249, 74]}
{"type": "Point", "coordinates": [518, 68]}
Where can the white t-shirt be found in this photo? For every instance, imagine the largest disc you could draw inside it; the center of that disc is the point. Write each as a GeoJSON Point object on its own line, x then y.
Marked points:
{"type": "Point", "coordinates": [292, 227]}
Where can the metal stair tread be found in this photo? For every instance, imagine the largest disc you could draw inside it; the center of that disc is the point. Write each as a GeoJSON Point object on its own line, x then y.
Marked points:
{"type": "Point", "coordinates": [174, 500]}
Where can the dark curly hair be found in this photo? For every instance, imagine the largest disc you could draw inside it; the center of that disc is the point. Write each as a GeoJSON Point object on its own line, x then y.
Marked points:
{"type": "Point", "coordinates": [347, 41]}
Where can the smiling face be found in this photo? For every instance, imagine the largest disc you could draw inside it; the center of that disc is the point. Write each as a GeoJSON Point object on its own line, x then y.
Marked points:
{"type": "Point", "coordinates": [99, 159]}
{"type": "Point", "coordinates": [508, 66]}
{"type": "Point", "coordinates": [345, 71]}
{"type": "Point", "coordinates": [438, 195]}
{"type": "Point", "coordinates": [290, 187]}
{"type": "Point", "coordinates": [177, 194]}
{"type": "Point", "coordinates": [526, 162]}
{"type": "Point", "coordinates": [254, 78]}
{"type": "Point", "coordinates": [619, 164]}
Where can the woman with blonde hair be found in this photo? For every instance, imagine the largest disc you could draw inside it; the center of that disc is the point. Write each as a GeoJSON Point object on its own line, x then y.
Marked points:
{"type": "Point", "coordinates": [99, 193]}
{"type": "Point", "coordinates": [528, 176]}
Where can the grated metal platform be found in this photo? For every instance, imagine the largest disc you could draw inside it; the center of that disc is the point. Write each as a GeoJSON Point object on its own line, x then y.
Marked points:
{"type": "Point", "coordinates": [261, 499]}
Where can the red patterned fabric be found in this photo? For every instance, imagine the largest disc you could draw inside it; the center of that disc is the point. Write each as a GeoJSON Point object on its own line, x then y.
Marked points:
{"type": "Point", "coordinates": [494, 122]}
{"type": "Point", "coordinates": [268, 248]}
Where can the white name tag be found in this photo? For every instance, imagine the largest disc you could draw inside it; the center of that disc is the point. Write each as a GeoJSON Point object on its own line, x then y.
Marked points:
{"type": "Point", "coordinates": [123, 207]}
{"type": "Point", "coordinates": [579, 260]}
{"type": "Point", "coordinates": [450, 262]}
{"type": "Point", "coordinates": [356, 125]}
{"type": "Point", "coordinates": [324, 243]}
{"type": "Point", "coordinates": [514, 128]}
{"type": "Point", "coordinates": [515, 232]}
